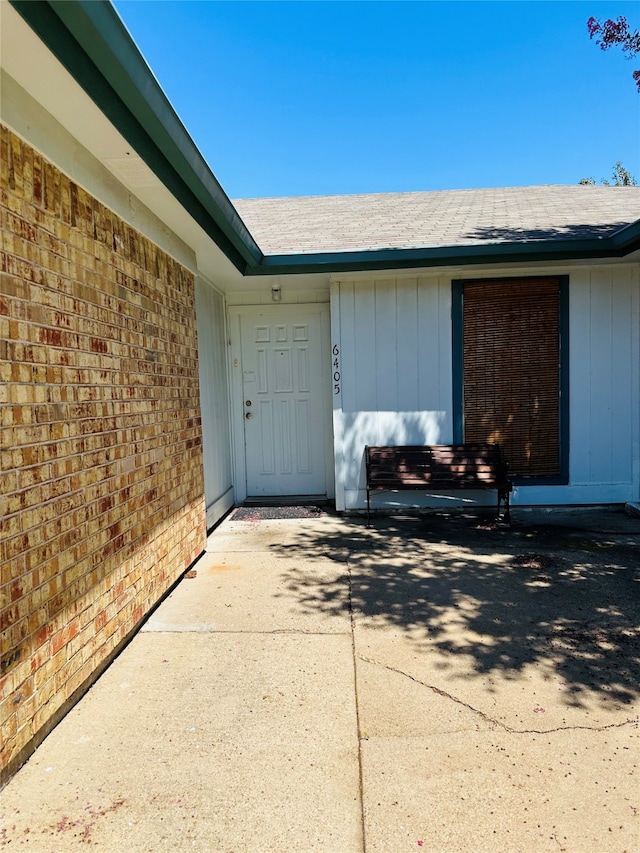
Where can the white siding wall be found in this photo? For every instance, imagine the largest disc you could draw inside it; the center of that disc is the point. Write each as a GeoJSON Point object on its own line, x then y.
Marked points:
{"type": "Point", "coordinates": [604, 389]}
{"type": "Point", "coordinates": [214, 401]}
{"type": "Point", "coordinates": [394, 341]}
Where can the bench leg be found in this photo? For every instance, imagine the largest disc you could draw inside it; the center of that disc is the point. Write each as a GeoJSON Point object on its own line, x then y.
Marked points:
{"type": "Point", "coordinates": [503, 496]}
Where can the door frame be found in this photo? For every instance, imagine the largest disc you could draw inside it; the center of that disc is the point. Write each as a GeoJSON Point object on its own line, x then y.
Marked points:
{"type": "Point", "coordinates": [291, 313]}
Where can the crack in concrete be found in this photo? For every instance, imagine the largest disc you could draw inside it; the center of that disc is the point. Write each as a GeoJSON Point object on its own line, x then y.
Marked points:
{"type": "Point", "coordinates": [486, 717]}
{"type": "Point", "coordinates": [354, 656]}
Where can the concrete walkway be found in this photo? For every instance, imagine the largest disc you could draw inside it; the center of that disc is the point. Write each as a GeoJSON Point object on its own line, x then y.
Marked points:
{"type": "Point", "coordinates": [439, 684]}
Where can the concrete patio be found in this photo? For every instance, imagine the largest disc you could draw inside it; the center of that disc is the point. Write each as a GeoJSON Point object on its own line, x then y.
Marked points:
{"type": "Point", "coordinates": [432, 684]}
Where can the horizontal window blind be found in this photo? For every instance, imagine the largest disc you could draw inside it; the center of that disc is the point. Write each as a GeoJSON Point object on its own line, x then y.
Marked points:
{"type": "Point", "coordinates": [511, 371]}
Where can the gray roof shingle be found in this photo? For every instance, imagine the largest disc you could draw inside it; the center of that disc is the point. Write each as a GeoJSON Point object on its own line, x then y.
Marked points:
{"type": "Point", "coordinates": [349, 223]}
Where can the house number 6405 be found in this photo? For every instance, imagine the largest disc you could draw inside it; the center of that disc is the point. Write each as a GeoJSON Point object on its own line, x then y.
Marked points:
{"type": "Point", "coordinates": [336, 369]}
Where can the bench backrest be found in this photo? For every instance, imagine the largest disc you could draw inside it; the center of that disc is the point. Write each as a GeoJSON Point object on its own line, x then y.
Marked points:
{"type": "Point", "coordinates": [436, 466]}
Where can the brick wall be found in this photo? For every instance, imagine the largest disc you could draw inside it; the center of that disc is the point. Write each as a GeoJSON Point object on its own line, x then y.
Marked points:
{"type": "Point", "coordinates": [102, 498]}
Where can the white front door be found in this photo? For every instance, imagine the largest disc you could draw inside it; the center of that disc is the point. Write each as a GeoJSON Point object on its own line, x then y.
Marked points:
{"type": "Point", "coordinates": [285, 399]}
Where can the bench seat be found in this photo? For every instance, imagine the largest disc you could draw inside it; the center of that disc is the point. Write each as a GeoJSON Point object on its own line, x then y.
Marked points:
{"type": "Point", "coordinates": [442, 467]}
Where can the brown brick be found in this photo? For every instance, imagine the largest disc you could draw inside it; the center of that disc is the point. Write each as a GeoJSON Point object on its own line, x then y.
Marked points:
{"type": "Point", "coordinates": [101, 437]}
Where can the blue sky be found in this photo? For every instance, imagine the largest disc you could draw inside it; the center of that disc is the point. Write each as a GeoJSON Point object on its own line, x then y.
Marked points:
{"type": "Point", "coordinates": [311, 98]}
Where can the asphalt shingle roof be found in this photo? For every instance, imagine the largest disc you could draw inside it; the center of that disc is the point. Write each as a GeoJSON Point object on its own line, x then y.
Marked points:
{"type": "Point", "coordinates": [349, 223]}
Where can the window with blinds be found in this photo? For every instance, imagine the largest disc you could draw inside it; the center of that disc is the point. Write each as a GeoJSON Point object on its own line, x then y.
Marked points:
{"type": "Point", "coordinates": [511, 371]}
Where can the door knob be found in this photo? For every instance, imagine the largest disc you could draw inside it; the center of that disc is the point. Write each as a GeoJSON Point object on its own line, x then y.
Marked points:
{"type": "Point", "coordinates": [248, 416]}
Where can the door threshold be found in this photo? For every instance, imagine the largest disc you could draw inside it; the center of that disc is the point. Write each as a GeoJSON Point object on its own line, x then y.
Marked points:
{"type": "Point", "coordinates": [287, 500]}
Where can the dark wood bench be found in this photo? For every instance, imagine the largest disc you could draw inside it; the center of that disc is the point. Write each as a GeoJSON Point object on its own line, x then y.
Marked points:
{"type": "Point", "coordinates": [442, 467]}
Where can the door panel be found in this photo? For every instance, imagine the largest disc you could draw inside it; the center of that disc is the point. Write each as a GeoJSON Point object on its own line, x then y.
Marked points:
{"type": "Point", "coordinates": [284, 402]}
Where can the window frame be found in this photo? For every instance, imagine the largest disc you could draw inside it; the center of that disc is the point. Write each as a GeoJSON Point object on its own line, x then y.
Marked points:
{"type": "Point", "coordinates": [457, 317]}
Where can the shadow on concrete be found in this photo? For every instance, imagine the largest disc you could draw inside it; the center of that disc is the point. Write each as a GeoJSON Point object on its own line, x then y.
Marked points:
{"type": "Point", "coordinates": [556, 594]}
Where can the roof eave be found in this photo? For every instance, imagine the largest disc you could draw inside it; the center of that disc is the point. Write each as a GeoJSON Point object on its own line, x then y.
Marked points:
{"type": "Point", "coordinates": [495, 253]}
{"type": "Point", "coordinates": [627, 239]}
{"type": "Point", "coordinates": [91, 42]}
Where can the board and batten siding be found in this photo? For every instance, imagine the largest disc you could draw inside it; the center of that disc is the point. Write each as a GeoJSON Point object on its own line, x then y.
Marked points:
{"type": "Point", "coordinates": [604, 354]}
{"type": "Point", "coordinates": [214, 401]}
{"type": "Point", "coordinates": [393, 338]}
